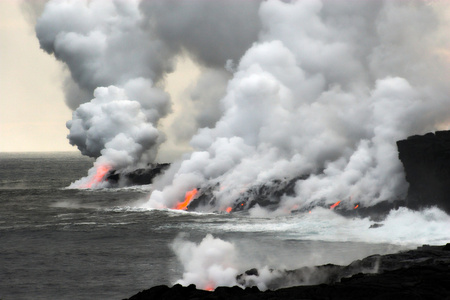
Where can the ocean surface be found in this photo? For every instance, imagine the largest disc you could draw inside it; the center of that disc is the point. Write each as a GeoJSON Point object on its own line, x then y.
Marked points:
{"type": "Point", "coordinates": [60, 243]}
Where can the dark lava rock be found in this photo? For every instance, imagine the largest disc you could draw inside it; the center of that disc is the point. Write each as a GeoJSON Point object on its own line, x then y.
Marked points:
{"type": "Point", "coordinates": [136, 177]}
{"type": "Point", "coordinates": [375, 225]}
{"type": "Point", "coordinates": [426, 160]}
{"type": "Point", "coordinates": [423, 273]}
{"type": "Point", "coordinates": [376, 212]}
{"type": "Point", "coordinates": [330, 274]}
{"type": "Point", "coordinates": [267, 195]}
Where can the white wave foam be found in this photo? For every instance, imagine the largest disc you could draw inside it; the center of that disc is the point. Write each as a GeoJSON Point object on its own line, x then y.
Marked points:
{"type": "Point", "coordinates": [401, 227]}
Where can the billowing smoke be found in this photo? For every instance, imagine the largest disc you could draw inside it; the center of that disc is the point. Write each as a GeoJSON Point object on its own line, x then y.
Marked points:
{"type": "Point", "coordinates": [214, 262]}
{"type": "Point", "coordinates": [325, 92]}
{"type": "Point", "coordinates": [119, 52]}
{"type": "Point", "coordinates": [318, 89]}
{"type": "Point", "coordinates": [209, 264]}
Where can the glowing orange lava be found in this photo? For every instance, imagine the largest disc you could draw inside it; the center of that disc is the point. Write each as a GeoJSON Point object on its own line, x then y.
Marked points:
{"type": "Point", "coordinates": [228, 209]}
{"type": "Point", "coordinates": [99, 175]}
{"type": "Point", "coordinates": [209, 288]}
{"type": "Point", "coordinates": [334, 205]}
{"type": "Point", "coordinates": [357, 205]}
{"type": "Point", "coordinates": [187, 199]}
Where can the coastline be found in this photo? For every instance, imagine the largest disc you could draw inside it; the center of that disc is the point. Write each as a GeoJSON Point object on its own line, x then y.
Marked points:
{"type": "Point", "coordinates": [423, 273]}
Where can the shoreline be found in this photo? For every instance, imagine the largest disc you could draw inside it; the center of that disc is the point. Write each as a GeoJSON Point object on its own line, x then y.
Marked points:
{"type": "Point", "coordinates": [423, 273]}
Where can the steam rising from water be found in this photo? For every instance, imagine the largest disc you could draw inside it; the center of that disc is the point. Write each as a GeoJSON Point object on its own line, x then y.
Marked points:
{"type": "Point", "coordinates": [215, 262]}
{"type": "Point", "coordinates": [317, 87]}
{"type": "Point", "coordinates": [120, 51]}
{"type": "Point", "coordinates": [327, 90]}
{"type": "Point", "coordinates": [208, 264]}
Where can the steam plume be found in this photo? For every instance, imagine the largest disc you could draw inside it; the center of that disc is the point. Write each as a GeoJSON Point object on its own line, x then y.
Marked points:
{"type": "Point", "coordinates": [208, 264]}
{"type": "Point", "coordinates": [326, 90]}
{"type": "Point", "coordinates": [120, 51]}
{"type": "Point", "coordinates": [318, 87]}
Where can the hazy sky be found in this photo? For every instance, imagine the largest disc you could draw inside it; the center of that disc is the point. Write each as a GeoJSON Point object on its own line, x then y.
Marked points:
{"type": "Point", "coordinates": [33, 113]}
{"type": "Point", "coordinates": [32, 109]}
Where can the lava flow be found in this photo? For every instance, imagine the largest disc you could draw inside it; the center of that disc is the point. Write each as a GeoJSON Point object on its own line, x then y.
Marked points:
{"type": "Point", "coordinates": [209, 288]}
{"type": "Point", "coordinates": [334, 205]}
{"type": "Point", "coordinates": [99, 175]}
{"type": "Point", "coordinates": [187, 199]}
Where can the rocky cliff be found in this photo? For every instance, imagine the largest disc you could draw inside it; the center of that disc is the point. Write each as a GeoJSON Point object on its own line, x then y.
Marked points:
{"type": "Point", "coordinates": [426, 160]}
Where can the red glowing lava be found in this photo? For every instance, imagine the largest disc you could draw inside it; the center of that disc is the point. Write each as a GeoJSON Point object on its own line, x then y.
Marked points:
{"type": "Point", "coordinates": [357, 205]}
{"type": "Point", "coordinates": [334, 205]}
{"type": "Point", "coordinates": [187, 199]}
{"type": "Point", "coordinates": [209, 288]}
{"type": "Point", "coordinates": [100, 173]}
{"type": "Point", "coordinates": [228, 210]}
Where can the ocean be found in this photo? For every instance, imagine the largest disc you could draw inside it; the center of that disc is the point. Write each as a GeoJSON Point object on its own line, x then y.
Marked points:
{"type": "Point", "coordinates": [60, 243]}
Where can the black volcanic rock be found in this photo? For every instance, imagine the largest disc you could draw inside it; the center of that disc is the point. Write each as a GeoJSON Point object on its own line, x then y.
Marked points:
{"type": "Point", "coordinates": [330, 274]}
{"type": "Point", "coordinates": [426, 161]}
{"type": "Point", "coordinates": [267, 195]}
{"type": "Point", "coordinates": [136, 177]}
{"type": "Point", "coordinates": [423, 273]}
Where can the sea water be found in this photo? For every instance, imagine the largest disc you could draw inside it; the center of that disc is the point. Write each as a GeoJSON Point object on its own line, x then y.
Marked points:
{"type": "Point", "coordinates": [60, 243]}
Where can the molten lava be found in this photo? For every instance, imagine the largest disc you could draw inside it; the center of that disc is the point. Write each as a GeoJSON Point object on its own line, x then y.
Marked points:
{"type": "Point", "coordinates": [187, 199]}
{"type": "Point", "coordinates": [99, 175]}
{"type": "Point", "coordinates": [228, 209]}
{"type": "Point", "coordinates": [334, 205]}
{"type": "Point", "coordinates": [357, 205]}
{"type": "Point", "coordinates": [209, 288]}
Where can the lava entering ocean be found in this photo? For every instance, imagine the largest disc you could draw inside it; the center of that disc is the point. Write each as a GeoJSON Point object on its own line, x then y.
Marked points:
{"type": "Point", "coordinates": [335, 204]}
{"type": "Point", "coordinates": [313, 109]}
{"type": "Point", "coordinates": [99, 176]}
{"type": "Point", "coordinates": [187, 199]}
{"type": "Point", "coordinates": [298, 103]}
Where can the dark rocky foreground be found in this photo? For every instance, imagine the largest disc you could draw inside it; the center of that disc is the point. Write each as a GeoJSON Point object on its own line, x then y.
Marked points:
{"type": "Point", "coordinates": [423, 273]}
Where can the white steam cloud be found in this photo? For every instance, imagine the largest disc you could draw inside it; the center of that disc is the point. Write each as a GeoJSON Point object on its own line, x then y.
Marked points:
{"type": "Point", "coordinates": [327, 90]}
{"type": "Point", "coordinates": [120, 51]}
{"type": "Point", "coordinates": [216, 262]}
{"type": "Point", "coordinates": [317, 87]}
{"type": "Point", "coordinates": [209, 264]}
